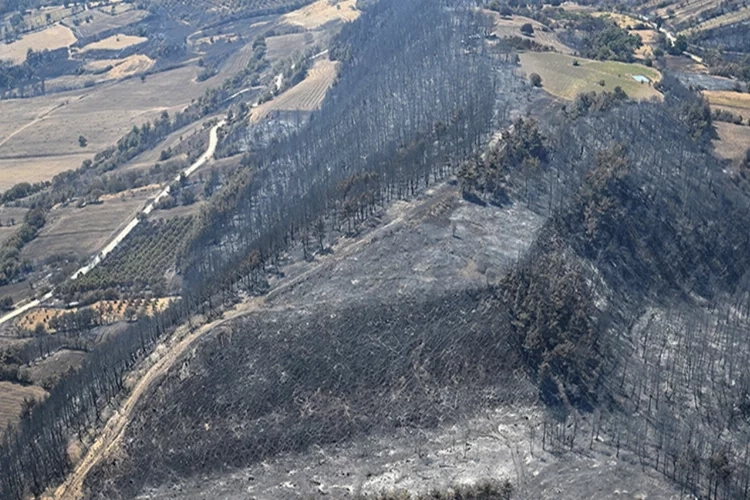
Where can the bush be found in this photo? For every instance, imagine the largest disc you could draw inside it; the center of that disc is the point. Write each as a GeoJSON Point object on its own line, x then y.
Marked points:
{"type": "Point", "coordinates": [527, 29]}
{"type": "Point", "coordinates": [535, 79]}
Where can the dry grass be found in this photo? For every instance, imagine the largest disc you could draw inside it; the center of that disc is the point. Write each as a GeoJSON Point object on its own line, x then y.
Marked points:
{"type": "Point", "coordinates": [560, 78]}
{"type": "Point", "coordinates": [511, 26]}
{"type": "Point", "coordinates": [84, 231]}
{"type": "Point", "coordinates": [733, 140]}
{"type": "Point", "coordinates": [115, 42]}
{"type": "Point", "coordinates": [39, 136]}
{"type": "Point", "coordinates": [8, 216]}
{"type": "Point", "coordinates": [624, 21]}
{"type": "Point", "coordinates": [55, 366]}
{"type": "Point", "coordinates": [11, 401]}
{"type": "Point", "coordinates": [323, 11]}
{"type": "Point", "coordinates": [306, 96]}
{"type": "Point", "coordinates": [728, 100]}
{"type": "Point", "coordinates": [130, 66]}
{"type": "Point", "coordinates": [54, 37]}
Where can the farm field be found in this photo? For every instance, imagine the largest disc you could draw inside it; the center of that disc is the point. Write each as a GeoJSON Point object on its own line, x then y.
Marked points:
{"type": "Point", "coordinates": [103, 21]}
{"type": "Point", "coordinates": [507, 27]}
{"type": "Point", "coordinates": [308, 95]}
{"type": "Point", "coordinates": [84, 231]}
{"type": "Point", "coordinates": [115, 42]}
{"type": "Point", "coordinates": [321, 12]}
{"type": "Point", "coordinates": [51, 38]}
{"type": "Point", "coordinates": [729, 100]}
{"type": "Point", "coordinates": [56, 365]}
{"type": "Point", "coordinates": [561, 79]}
{"type": "Point", "coordinates": [39, 136]}
{"type": "Point", "coordinates": [733, 141]}
{"type": "Point", "coordinates": [11, 401]}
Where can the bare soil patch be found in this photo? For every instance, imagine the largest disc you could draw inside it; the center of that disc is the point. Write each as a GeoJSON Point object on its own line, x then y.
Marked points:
{"type": "Point", "coordinates": [51, 38]}
{"type": "Point", "coordinates": [323, 11]}
{"type": "Point", "coordinates": [121, 68]}
{"type": "Point", "coordinates": [11, 401]}
{"type": "Point", "coordinates": [308, 95]}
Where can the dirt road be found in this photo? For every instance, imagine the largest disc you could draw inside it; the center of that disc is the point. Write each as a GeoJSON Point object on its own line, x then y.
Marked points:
{"type": "Point", "coordinates": [110, 437]}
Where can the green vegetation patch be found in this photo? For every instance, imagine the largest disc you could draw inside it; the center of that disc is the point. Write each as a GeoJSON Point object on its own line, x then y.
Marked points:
{"type": "Point", "coordinates": [562, 77]}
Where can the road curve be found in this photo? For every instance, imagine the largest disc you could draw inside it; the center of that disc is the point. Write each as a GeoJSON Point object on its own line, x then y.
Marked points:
{"type": "Point", "coordinates": [213, 142]}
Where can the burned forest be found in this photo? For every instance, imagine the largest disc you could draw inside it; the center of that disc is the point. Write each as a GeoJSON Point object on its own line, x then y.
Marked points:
{"type": "Point", "coordinates": [444, 280]}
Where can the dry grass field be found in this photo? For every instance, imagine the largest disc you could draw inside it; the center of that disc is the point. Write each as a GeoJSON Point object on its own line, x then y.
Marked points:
{"type": "Point", "coordinates": [321, 12]}
{"type": "Point", "coordinates": [84, 231]}
{"type": "Point", "coordinates": [11, 401]}
{"type": "Point", "coordinates": [39, 136]}
{"type": "Point", "coordinates": [306, 96]}
{"type": "Point", "coordinates": [115, 42]}
{"type": "Point", "coordinates": [560, 78]}
{"type": "Point", "coordinates": [56, 365]}
{"type": "Point", "coordinates": [511, 26]}
{"type": "Point", "coordinates": [54, 37]}
{"type": "Point", "coordinates": [733, 140]}
{"type": "Point", "coordinates": [729, 100]}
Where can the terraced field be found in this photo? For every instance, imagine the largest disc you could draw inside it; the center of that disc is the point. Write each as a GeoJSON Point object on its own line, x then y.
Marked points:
{"type": "Point", "coordinates": [306, 96]}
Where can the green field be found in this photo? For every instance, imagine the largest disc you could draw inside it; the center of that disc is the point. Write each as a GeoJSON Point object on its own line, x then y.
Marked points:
{"type": "Point", "coordinates": [560, 78]}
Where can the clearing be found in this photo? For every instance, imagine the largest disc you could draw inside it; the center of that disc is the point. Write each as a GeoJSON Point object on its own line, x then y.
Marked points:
{"type": "Point", "coordinates": [11, 401]}
{"type": "Point", "coordinates": [54, 37]}
{"type": "Point", "coordinates": [560, 78]}
{"type": "Point", "coordinates": [11, 219]}
{"type": "Point", "coordinates": [511, 26]}
{"type": "Point", "coordinates": [49, 369]}
{"type": "Point", "coordinates": [308, 95]}
{"type": "Point", "coordinates": [733, 141]}
{"type": "Point", "coordinates": [115, 42]}
{"type": "Point", "coordinates": [84, 231]}
{"type": "Point", "coordinates": [321, 12]}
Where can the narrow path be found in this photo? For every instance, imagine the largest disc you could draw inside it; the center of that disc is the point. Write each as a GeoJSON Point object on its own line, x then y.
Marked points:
{"type": "Point", "coordinates": [213, 142]}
